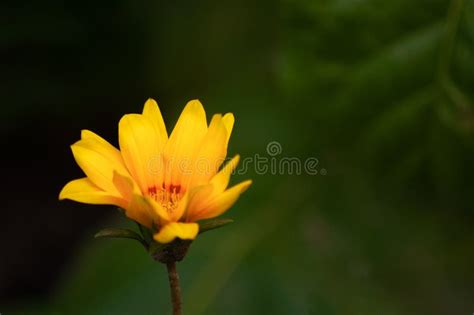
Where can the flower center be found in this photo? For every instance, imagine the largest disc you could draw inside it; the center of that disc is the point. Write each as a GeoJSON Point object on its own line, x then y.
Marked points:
{"type": "Point", "coordinates": [167, 197]}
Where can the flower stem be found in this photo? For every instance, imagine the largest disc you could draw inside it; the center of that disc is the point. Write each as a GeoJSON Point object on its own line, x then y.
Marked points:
{"type": "Point", "coordinates": [175, 289]}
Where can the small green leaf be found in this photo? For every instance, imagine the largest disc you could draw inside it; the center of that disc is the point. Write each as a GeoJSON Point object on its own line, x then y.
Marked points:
{"type": "Point", "coordinates": [146, 233]}
{"type": "Point", "coordinates": [213, 224]}
{"type": "Point", "coordinates": [120, 233]}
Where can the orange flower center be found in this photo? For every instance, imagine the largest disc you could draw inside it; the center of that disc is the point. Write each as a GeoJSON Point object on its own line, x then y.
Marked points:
{"type": "Point", "coordinates": [167, 197]}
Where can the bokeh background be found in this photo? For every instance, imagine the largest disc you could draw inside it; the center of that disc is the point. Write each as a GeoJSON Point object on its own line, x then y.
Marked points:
{"type": "Point", "coordinates": [380, 92]}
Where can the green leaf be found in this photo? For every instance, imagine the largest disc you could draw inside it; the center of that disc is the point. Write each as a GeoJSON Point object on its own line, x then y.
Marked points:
{"type": "Point", "coordinates": [120, 233]}
{"type": "Point", "coordinates": [213, 224]}
{"type": "Point", "coordinates": [146, 233]}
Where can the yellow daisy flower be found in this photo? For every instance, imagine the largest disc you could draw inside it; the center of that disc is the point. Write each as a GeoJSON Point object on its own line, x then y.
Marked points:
{"type": "Point", "coordinates": [164, 183]}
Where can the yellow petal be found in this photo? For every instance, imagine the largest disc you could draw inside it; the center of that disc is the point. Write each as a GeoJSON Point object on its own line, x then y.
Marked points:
{"type": "Point", "coordinates": [211, 153]}
{"type": "Point", "coordinates": [201, 195]}
{"type": "Point", "coordinates": [221, 179]}
{"type": "Point", "coordinates": [184, 142]}
{"type": "Point", "coordinates": [140, 148]}
{"type": "Point", "coordinates": [101, 146]}
{"type": "Point", "coordinates": [162, 215]}
{"type": "Point", "coordinates": [198, 197]}
{"type": "Point", "coordinates": [90, 135]}
{"type": "Point", "coordinates": [220, 203]}
{"type": "Point", "coordinates": [124, 185]}
{"type": "Point", "coordinates": [98, 161]}
{"type": "Point", "coordinates": [228, 120]}
{"type": "Point", "coordinates": [140, 211]}
{"type": "Point", "coordinates": [178, 212]}
{"type": "Point", "coordinates": [184, 231]}
{"type": "Point", "coordinates": [159, 212]}
{"type": "Point", "coordinates": [152, 112]}
{"type": "Point", "coordinates": [83, 190]}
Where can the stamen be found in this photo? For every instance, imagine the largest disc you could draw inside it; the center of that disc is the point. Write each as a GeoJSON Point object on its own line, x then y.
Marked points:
{"type": "Point", "coordinates": [167, 198]}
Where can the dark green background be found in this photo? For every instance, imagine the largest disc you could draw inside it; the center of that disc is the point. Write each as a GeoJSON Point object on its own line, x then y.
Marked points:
{"type": "Point", "coordinates": [380, 92]}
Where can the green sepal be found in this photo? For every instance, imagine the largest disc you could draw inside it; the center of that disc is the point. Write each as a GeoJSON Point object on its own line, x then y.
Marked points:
{"type": "Point", "coordinates": [208, 225]}
{"type": "Point", "coordinates": [174, 251]}
{"type": "Point", "coordinates": [156, 247]}
{"type": "Point", "coordinates": [171, 252]}
{"type": "Point", "coordinates": [177, 249]}
{"type": "Point", "coordinates": [146, 233]}
{"type": "Point", "coordinates": [121, 233]}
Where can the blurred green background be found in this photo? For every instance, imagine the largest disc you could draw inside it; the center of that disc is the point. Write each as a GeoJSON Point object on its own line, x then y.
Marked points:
{"type": "Point", "coordinates": [380, 92]}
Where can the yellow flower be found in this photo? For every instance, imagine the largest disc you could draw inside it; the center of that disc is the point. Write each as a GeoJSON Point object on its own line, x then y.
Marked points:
{"type": "Point", "coordinates": [163, 183]}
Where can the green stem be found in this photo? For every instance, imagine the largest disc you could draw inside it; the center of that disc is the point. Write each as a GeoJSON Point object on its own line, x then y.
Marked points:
{"type": "Point", "coordinates": [175, 288]}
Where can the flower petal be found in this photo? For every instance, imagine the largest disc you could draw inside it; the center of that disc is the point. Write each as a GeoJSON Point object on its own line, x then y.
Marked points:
{"type": "Point", "coordinates": [140, 148]}
{"type": "Point", "coordinates": [179, 211]}
{"type": "Point", "coordinates": [184, 142]}
{"type": "Point", "coordinates": [107, 147]}
{"type": "Point", "coordinates": [198, 197]}
{"type": "Point", "coordinates": [220, 203]}
{"type": "Point", "coordinates": [228, 120]}
{"type": "Point", "coordinates": [159, 213]}
{"type": "Point", "coordinates": [152, 112]}
{"type": "Point", "coordinates": [184, 231]}
{"type": "Point", "coordinates": [211, 153]}
{"type": "Point", "coordinates": [103, 147]}
{"type": "Point", "coordinates": [124, 185]}
{"type": "Point", "coordinates": [98, 160]}
{"type": "Point", "coordinates": [83, 190]}
{"type": "Point", "coordinates": [221, 179]}
{"type": "Point", "coordinates": [162, 215]}
{"type": "Point", "coordinates": [140, 211]}
{"type": "Point", "coordinates": [201, 195]}
{"type": "Point", "coordinates": [135, 205]}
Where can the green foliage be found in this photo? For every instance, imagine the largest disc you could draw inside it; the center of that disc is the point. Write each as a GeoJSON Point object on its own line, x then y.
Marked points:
{"type": "Point", "coordinates": [121, 233]}
{"type": "Point", "coordinates": [212, 224]}
{"type": "Point", "coordinates": [390, 79]}
{"type": "Point", "coordinates": [174, 251]}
